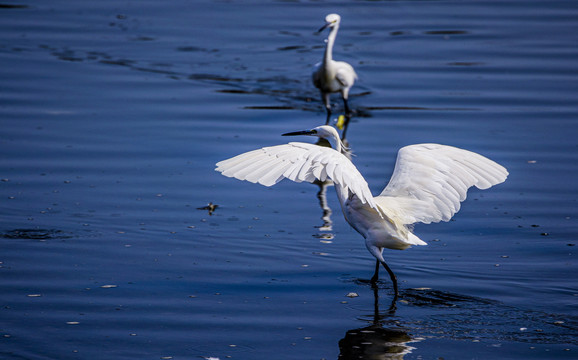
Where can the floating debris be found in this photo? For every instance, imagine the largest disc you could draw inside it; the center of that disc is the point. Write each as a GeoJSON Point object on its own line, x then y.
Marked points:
{"type": "Point", "coordinates": [72, 323]}
{"type": "Point", "coordinates": [210, 208]}
{"type": "Point", "coordinates": [352, 295]}
{"type": "Point", "coordinates": [108, 286]}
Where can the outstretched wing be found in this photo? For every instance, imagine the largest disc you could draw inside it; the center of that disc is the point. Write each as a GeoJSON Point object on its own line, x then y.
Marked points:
{"type": "Point", "coordinates": [297, 162]}
{"type": "Point", "coordinates": [430, 180]}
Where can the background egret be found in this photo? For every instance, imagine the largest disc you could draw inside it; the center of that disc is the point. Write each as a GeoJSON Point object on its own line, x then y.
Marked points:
{"type": "Point", "coordinates": [332, 76]}
{"type": "Point", "coordinates": [428, 183]}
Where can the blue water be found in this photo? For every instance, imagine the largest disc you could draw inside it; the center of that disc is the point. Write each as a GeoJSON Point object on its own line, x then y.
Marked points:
{"type": "Point", "coordinates": [113, 114]}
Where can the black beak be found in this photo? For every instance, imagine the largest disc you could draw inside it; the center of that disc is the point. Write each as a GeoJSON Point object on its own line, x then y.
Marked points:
{"type": "Point", "coordinates": [304, 132]}
{"type": "Point", "coordinates": [323, 28]}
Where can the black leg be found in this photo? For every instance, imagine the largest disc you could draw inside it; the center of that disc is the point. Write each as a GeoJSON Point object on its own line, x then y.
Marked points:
{"type": "Point", "coordinates": [376, 273]}
{"type": "Point", "coordinates": [347, 111]}
{"type": "Point", "coordinates": [393, 278]}
{"type": "Point", "coordinates": [327, 103]}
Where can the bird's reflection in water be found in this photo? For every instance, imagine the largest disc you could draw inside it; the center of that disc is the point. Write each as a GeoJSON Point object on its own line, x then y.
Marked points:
{"type": "Point", "coordinates": [376, 342]}
{"type": "Point", "coordinates": [322, 197]}
{"type": "Point", "coordinates": [342, 124]}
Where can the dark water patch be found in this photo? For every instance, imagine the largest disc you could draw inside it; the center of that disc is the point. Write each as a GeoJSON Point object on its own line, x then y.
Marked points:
{"type": "Point", "coordinates": [415, 108]}
{"type": "Point", "coordinates": [196, 49]}
{"type": "Point", "coordinates": [280, 88]}
{"type": "Point", "coordinates": [13, 6]}
{"type": "Point", "coordinates": [214, 77]}
{"type": "Point", "coordinates": [446, 32]}
{"type": "Point", "coordinates": [35, 234]}
{"type": "Point", "coordinates": [143, 38]}
{"type": "Point", "coordinates": [173, 74]}
{"type": "Point", "coordinates": [293, 47]}
{"type": "Point", "coordinates": [119, 62]}
{"type": "Point", "coordinates": [235, 91]}
{"type": "Point", "coordinates": [290, 33]}
{"type": "Point", "coordinates": [429, 297]}
{"type": "Point", "coordinates": [425, 312]}
{"type": "Point", "coordinates": [269, 107]}
{"type": "Point", "coordinates": [67, 55]}
{"type": "Point", "coordinates": [484, 319]}
{"type": "Point", "coordinates": [465, 63]}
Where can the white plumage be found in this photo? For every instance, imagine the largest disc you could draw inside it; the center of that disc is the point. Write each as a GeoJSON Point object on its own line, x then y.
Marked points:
{"type": "Point", "coordinates": [428, 183]}
{"type": "Point", "coordinates": [331, 76]}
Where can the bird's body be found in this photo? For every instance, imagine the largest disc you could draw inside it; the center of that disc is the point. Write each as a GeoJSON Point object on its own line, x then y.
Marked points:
{"type": "Point", "coordinates": [428, 183]}
{"type": "Point", "coordinates": [331, 76]}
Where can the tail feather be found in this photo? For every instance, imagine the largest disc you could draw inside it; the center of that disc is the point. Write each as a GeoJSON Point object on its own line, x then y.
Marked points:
{"type": "Point", "coordinates": [414, 240]}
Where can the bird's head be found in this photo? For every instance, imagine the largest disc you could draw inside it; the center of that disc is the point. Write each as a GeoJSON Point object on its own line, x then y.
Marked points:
{"type": "Point", "coordinates": [331, 21]}
{"type": "Point", "coordinates": [324, 132]}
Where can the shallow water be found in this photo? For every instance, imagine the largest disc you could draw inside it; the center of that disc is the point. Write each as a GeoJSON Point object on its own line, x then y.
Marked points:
{"type": "Point", "coordinates": [112, 118]}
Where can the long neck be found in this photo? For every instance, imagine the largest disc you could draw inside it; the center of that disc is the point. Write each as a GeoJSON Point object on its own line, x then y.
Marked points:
{"type": "Point", "coordinates": [335, 141]}
{"type": "Point", "coordinates": [329, 47]}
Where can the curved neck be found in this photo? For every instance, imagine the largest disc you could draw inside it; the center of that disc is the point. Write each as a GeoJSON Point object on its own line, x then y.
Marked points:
{"type": "Point", "coordinates": [329, 46]}
{"type": "Point", "coordinates": [335, 142]}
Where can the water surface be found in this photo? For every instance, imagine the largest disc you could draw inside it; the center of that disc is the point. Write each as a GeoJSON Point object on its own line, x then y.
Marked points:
{"type": "Point", "coordinates": [112, 118]}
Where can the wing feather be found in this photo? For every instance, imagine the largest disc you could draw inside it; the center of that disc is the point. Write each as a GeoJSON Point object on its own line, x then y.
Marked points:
{"type": "Point", "coordinates": [297, 162]}
{"type": "Point", "coordinates": [345, 74]}
{"type": "Point", "coordinates": [430, 180]}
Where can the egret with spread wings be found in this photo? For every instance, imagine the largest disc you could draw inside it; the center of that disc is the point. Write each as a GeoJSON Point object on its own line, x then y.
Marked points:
{"type": "Point", "coordinates": [428, 183]}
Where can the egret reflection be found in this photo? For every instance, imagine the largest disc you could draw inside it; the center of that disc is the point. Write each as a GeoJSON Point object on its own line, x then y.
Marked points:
{"type": "Point", "coordinates": [377, 341]}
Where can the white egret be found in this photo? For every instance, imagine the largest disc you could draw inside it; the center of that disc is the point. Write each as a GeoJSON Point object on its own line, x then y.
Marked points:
{"type": "Point", "coordinates": [332, 76]}
{"type": "Point", "coordinates": [428, 183]}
